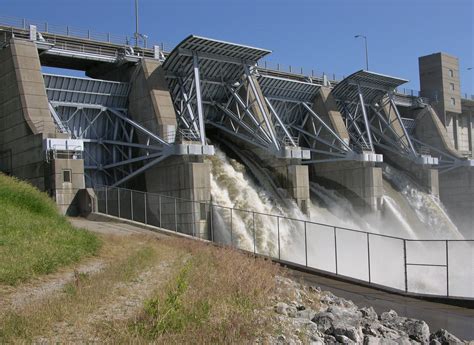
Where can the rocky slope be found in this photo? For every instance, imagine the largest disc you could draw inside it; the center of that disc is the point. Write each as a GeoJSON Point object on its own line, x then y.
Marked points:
{"type": "Point", "coordinates": [305, 314]}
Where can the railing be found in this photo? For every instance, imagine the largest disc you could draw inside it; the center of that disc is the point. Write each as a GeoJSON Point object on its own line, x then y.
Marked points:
{"type": "Point", "coordinates": [428, 267]}
{"type": "Point", "coordinates": [304, 72]}
{"type": "Point", "coordinates": [63, 154]}
{"type": "Point", "coordinates": [66, 30]}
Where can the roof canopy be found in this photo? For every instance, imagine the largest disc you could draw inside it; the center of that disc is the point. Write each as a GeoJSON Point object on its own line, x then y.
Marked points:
{"type": "Point", "coordinates": [219, 63]}
{"type": "Point", "coordinates": [373, 86]}
{"type": "Point", "coordinates": [212, 55]}
{"type": "Point", "coordinates": [287, 89]}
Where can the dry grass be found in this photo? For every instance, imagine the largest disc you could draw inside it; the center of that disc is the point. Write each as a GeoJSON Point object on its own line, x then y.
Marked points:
{"type": "Point", "coordinates": [212, 298]}
{"type": "Point", "coordinates": [206, 295]}
{"type": "Point", "coordinates": [127, 257]}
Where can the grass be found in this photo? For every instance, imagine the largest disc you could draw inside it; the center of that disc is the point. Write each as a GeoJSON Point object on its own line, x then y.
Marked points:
{"type": "Point", "coordinates": [77, 299]}
{"type": "Point", "coordinates": [182, 291]}
{"type": "Point", "coordinates": [212, 298]}
{"type": "Point", "coordinates": [34, 238]}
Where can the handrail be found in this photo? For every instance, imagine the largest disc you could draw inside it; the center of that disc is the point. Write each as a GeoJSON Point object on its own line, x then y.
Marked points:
{"type": "Point", "coordinates": [86, 34]}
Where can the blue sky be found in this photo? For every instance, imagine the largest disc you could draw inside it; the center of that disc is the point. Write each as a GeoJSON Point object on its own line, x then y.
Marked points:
{"type": "Point", "coordinates": [311, 34]}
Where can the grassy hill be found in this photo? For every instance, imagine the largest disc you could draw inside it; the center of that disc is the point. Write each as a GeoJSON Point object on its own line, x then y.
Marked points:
{"type": "Point", "coordinates": [34, 238]}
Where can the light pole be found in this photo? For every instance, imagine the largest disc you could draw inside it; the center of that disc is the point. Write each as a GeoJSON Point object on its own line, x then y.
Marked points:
{"type": "Point", "coordinates": [137, 35]}
{"type": "Point", "coordinates": [366, 50]}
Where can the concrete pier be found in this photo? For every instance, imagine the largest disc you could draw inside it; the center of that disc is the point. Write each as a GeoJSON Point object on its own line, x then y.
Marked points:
{"type": "Point", "coordinates": [26, 123]}
{"type": "Point", "coordinates": [360, 182]}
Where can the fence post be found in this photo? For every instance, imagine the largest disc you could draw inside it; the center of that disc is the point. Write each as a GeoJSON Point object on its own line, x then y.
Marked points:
{"type": "Point", "coordinates": [211, 225]}
{"type": "Point", "coordinates": [405, 261]}
{"type": "Point", "coordinates": [131, 204]}
{"type": "Point", "coordinates": [305, 244]}
{"type": "Point", "coordinates": [175, 216]}
{"type": "Point", "coordinates": [254, 242]}
{"type": "Point", "coordinates": [193, 218]}
{"type": "Point", "coordinates": [118, 201]}
{"type": "Point", "coordinates": [106, 200]}
{"type": "Point", "coordinates": [447, 269]}
{"type": "Point", "coordinates": [368, 254]}
{"type": "Point", "coordinates": [145, 207]}
{"type": "Point", "coordinates": [159, 208]}
{"type": "Point", "coordinates": [278, 227]}
{"type": "Point", "coordinates": [231, 234]}
{"type": "Point", "coordinates": [335, 248]}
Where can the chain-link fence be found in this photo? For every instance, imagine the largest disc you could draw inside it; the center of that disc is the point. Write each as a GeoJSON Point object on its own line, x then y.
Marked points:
{"type": "Point", "coordinates": [429, 267]}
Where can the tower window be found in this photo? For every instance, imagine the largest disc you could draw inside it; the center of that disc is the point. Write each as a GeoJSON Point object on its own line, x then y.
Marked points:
{"type": "Point", "coordinates": [451, 73]}
{"type": "Point", "coordinates": [451, 85]}
{"type": "Point", "coordinates": [66, 175]}
{"type": "Point", "coordinates": [453, 101]}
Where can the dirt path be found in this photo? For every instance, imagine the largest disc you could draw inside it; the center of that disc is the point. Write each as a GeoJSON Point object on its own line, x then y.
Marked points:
{"type": "Point", "coordinates": [126, 301]}
{"type": "Point", "coordinates": [123, 299]}
{"type": "Point", "coordinates": [44, 286]}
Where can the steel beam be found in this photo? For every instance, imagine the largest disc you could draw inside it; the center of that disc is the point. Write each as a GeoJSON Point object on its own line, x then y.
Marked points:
{"type": "Point", "coordinates": [197, 82]}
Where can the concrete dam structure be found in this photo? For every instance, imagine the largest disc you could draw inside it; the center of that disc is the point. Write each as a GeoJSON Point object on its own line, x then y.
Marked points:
{"type": "Point", "coordinates": [174, 135]}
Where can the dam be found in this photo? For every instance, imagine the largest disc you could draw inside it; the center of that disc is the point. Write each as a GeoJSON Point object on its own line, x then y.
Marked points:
{"type": "Point", "coordinates": [353, 177]}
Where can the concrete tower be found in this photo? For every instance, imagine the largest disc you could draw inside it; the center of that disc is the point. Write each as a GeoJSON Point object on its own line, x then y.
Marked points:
{"type": "Point", "coordinates": [439, 81]}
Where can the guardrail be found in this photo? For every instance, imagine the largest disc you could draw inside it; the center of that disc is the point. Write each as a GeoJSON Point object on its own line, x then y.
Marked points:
{"type": "Point", "coordinates": [69, 31]}
{"type": "Point", "coordinates": [86, 34]}
{"type": "Point", "coordinates": [427, 267]}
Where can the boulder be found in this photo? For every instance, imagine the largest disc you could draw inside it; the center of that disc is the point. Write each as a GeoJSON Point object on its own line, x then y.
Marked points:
{"type": "Point", "coordinates": [285, 309]}
{"type": "Point", "coordinates": [415, 329]}
{"type": "Point", "coordinates": [442, 336]}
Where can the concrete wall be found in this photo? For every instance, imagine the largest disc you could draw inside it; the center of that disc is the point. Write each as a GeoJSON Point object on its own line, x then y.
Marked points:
{"type": "Point", "coordinates": [291, 176]}
{"type": "Point", "coordinates": [186, 177]}
{"type": "Point", "coordinates": [467, 124]}
{"type": "Point", "coordinates": [359, 182]}
{"type": "Point", "coordinates": [457, 194]}
{"type": "Point", "coordinates": [439, 81]}
{"type": "Point", "coordinates": [150, 102]}
{"type": "Point", "coordinates": [325, 106]}
{"type": "Point", "coordinates": [431, 131]}
{"type": "Point", "coordinates": [65, 192]}
{"type": "Point", "coordinates": [24, 114]}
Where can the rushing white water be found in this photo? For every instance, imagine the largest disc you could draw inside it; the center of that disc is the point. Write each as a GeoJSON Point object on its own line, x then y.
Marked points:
{"type": "Point", "coordinates": [435, 222]}
{"type": "Point", "coordinates": [252, 225]}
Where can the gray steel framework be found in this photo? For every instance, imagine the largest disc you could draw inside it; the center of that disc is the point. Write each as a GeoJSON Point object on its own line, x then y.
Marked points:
{"type": "Point", "coordinates": [292, 102]}
{"type": "Point", "coordinates": [215, 83]}
{"type": "Point", "coordinates": [366, 102]}
{"type": "Point", "coordinates": [95, 112]}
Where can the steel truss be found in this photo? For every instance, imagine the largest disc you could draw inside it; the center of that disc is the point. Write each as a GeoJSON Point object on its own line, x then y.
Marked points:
{"type": "Point", "coordinates": [215, 83]}
{"type": "Point", "coordinates": [116, 148]}
{"type": "Point", "coordinates": [112, 155]}
{"type": "Point", "coordinates": [366, 102]}
{"type": "Point", "coordinates": [292, 102]}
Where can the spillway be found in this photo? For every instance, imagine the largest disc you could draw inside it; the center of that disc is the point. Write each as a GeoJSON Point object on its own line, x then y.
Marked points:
{"type": "Point", "coordinates": [408, 211]}
{"type": "Point", "coordinates": [250, 211]}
